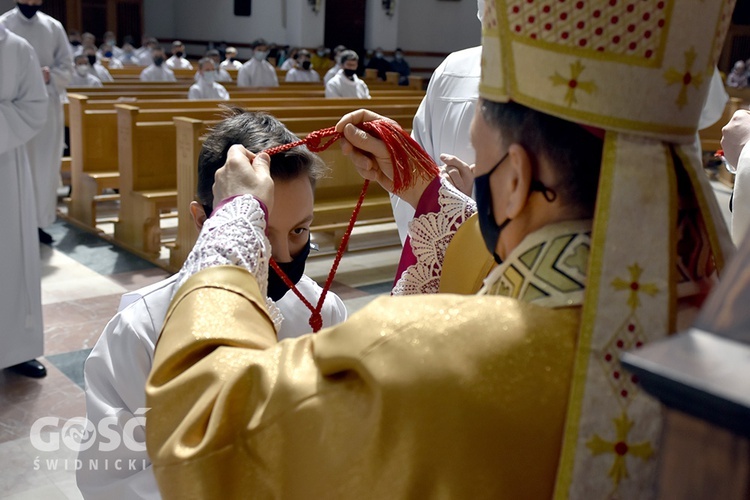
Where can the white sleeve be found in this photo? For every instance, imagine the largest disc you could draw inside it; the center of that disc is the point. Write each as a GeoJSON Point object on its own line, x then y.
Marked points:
{"type": "Point", "coordinates": [171, 77]}
{"type": "Point", "coordinates": [115, 374]}
{"type": "Point", "coordinates": [741, 197]}
{"type": "Point", "coordinates": [194, 93]}
{"type": "Point", "coordinates": [25, 114]}
{"type": "Point", "coordinates": [242, 79]}
{"type": "Point", "coordinates": [61, 71]}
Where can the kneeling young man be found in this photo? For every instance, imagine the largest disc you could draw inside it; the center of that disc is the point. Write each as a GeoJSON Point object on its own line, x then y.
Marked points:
{"type": "Point", "coordinates": [119, 364]}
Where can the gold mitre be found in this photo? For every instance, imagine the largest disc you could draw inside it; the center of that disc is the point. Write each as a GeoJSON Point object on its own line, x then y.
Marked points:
{"type": "Point", "coordinates": [639, 66]}
{"type": "Point", "coordinates": [640, 70]}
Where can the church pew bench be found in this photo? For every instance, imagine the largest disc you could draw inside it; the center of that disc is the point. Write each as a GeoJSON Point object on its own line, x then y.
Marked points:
{"type": "Point", "coordinates": [94, 139]}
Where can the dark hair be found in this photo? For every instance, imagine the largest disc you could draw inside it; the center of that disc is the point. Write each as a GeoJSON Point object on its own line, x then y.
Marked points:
{"type": "Point", "coordinates": [257, 43]}
{"type": "Point", "coordinates": [574, 153]}
{"type": "Point", "coordinates": [256, 131]}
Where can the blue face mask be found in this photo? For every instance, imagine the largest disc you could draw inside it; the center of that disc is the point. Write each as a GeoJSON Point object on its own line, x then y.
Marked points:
{"type": "Point", "coordinates": [489, 228]}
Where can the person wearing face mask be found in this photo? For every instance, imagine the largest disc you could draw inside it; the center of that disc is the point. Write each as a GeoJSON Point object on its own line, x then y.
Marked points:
{"type": "Point", "coordinates": [118, 366]}
{"type": "Point", "coordinates": [178, 61]}
{"type": "Point", "coordinates": [346, 83]}
{"type": "Point", "coordinates": [146, 52]}
{"type": "Point", "coordinates": [50, 42]}
{"type": "Point", "coordinates": [74, 37]}
{"type": "Point", "coordinates": [97, 69]}
{"type": "Point", "coordinates": [158, 71]}
{"type": "Point", "coordinates": [206, 86]}
{"type": "Point", "coordinates": [291, 61]}
{"type": "Point", "coordinates": [231, 61]}
{"type": "Point", "coordinates": [110, 40]}
{"type": "Point", "coordinates": [222, 75]}
{"type": "Point", "coordinates": [380, 63]}
{"type": "Point", "coordinates": [336, 67]}
{"type": "Point", "coordinates": [321, 60]}
{"type": "Point", "coordinates": [400, 65]}
{"type": "Point", "coordinates": [107, 55]}
{"type": "Point", "coordinates": [84, 73]}
{"type": "Point", "coordinates": [257, 72]}
{"type": "Point", "coordinates": [303, 72]}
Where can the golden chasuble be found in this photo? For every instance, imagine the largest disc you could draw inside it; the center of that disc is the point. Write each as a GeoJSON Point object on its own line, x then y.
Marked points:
{"type": "Point", "coordinates": [430, 396]}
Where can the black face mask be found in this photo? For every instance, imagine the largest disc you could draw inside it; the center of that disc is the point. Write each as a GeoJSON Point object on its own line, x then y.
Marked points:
{"type": "Point", "coordinates": [305, 65]}
{"type": "Point", "coordinates": [75, 43]}
{"type": "Point", "coordinates": [28, 11]}
{"type": "Point", "coordinates": [230, 59]}
{"type": "Point", "coordinates": [489, 228]}
{"type": "Point", "coordinates": [294, 271]}
{"type": "Point", "coordinates": [350, 73]}
{"type": "Point", "coordinates": [92, 59]}
{"type": "Point", "coordinates": [158, 60]}
{"type": "Point", "coordinates": [179, 54]}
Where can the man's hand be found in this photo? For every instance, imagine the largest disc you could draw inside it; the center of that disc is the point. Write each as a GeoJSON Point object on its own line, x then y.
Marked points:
{"type": "Point", "coordinates": [459, 173]}
{"type": "Point", "coordinates": [46, 75]}
{"type": "Point", "coordinates": [244, 173]}
{"type": "Point", "coordinates": [735, 135]}
{"type": "Point", "coordinates": [370, 155]}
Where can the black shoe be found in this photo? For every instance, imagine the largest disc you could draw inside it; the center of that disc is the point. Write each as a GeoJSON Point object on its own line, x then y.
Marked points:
{"type": "Point", "coordinates": [32, 368]}
{"type": "Point", "coordinates": [45, 237]}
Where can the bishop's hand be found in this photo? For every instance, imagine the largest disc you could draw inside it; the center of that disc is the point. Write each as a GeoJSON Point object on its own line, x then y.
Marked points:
{"type": "Point", "coordinates": [244, 173]}
{"type": "Point", "coordinates": [735, 135]}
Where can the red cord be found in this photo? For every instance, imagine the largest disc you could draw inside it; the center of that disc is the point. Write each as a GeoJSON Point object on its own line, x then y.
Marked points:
{"type": "Point", "coordinates": [402, 149]}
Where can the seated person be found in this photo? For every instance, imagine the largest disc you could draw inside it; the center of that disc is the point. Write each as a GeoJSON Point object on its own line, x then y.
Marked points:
{"type": "Point", "coordinates": [117, 367]}
{"type": "Point", "coordinates": [257, 72]}
{"type": "Point", "coordinates": [380, 63]}
{"type": "Point", "coordinates": [178, 61]}
{"type": "Point", "coordinates": [336, 67]}
{"type": "Point", "coordinates": [158, 71]}
{"type": "Point", "coordinates": [346, 83]}
{"type": "Point", "coordinates": [303, 71]}
{"type": "Point", "coordinates": [737, 78]}
{"type": "Point", "coordinates": [321, 60]}
{"type": "Point", "coordinates": [291, 61]}
{"type": "Point", "coordinates": [222, 75]}
{"type": "Point", "coordinates": [83, 75]}
{"type": "Point", "coordinates": [97, 69]}
{"type": "Point", "coordinates": [400, 65]}
{"type": "Point", "coordinates": [107, 54]}
{"type": "Point", "coordinates": [231, 61]}
{"type": "Point", "coordinates": [206, 87]}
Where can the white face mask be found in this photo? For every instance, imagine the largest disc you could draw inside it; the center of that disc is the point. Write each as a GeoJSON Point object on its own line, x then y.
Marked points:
{"type": "Point", "coordinates": [209, 76]}
{"type": "Point", "coordinates": [82, 69]}
{"type": "Point", "coordinates": [260, 55]}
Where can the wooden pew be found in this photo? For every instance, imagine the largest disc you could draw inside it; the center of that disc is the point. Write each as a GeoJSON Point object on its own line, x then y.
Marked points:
{"type": "Point", "coordinates": [148, 173]}
{"type": "Point", "coordinates": [335, 195]}
{"type": "Point", "coordinates": [93, 135]}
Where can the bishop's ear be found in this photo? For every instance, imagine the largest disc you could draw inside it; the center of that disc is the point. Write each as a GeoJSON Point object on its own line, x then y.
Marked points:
{"type": "Point", "coordinates": [521, 174]}
{"type": "Point", "coordinates": [199, 215]}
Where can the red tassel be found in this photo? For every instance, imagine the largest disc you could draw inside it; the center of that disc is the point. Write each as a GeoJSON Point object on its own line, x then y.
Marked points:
{"type": "Point", "coordinates": [410, 162]}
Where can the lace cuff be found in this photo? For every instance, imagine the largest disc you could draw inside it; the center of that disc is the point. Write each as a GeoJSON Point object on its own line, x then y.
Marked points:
{"type": "Point", "coordinates": [233, 235]}
{"type": "Point", "coordinates": [429, 234]}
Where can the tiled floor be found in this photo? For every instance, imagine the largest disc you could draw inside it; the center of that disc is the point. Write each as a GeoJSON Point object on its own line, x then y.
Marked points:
{"type": "Point", "coordinates": [83, 279]}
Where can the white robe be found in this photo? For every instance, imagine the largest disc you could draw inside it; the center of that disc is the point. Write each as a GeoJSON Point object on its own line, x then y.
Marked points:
{"type": "Point", "coordinates": [256, 73]}
{"type": "Point", "coordinates": [50, 42]}
{"type": "Point", "coordinates": [102, 73]}
{"type": "Point", "coordinates": [90, 80]}
{"type": "Point", "coordinates": [301, 75]}
{"type": "Point", "coordinates": [114, 63]}
{"type": "Point", "coordinates": [341, 86]}
{"type": "Point", "coordinates": [156, 73]}
{"type": "Point", "coordinates": [23, 113]}
{"type": "Point", "coordinates": [204, 90]}
{"type": "Point", "coordinates": [175, 62]}
{"type": "Point", "coordinates": [225, 64]}
{"type": "Point", "coordinates": [221, 76]}
{"type": "Point", "coordinates": [442, 122]}
{"type": "Point", "coordinates": [331, 73]}
{"type": "Point", "coordinates": [118, 366]}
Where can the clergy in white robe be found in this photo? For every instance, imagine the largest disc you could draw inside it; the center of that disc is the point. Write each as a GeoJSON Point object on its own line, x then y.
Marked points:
{"type": "Point", "coordinates": [158, 71]}
{"type": "Point", "coordinates": [23, 113]}
{"type": "Point", "coordinates": [441, 124]}
{"type": "Point", "coordinates": [50, 42]}
{"type": "Point", "coordinates": [302, 75]}
{"type": "Point", "coordinates": [344, 86]}
{"type": "Point", "coordinates": [257, 73]}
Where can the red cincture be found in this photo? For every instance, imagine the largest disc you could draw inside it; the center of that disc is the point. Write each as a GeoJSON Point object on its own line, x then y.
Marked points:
{"type": "Point", "coordinates": [408, 158]}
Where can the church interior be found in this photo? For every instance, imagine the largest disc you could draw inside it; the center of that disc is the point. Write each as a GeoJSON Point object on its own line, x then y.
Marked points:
{"type": "Point", "coordinates": [128, 175]}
